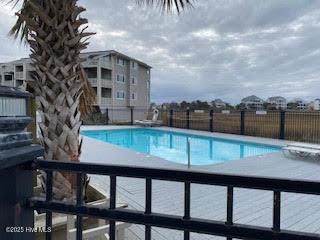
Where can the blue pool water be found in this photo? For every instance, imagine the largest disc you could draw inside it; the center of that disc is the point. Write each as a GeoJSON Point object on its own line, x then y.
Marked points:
{"type": "Point", "coordinates": [172, 146]}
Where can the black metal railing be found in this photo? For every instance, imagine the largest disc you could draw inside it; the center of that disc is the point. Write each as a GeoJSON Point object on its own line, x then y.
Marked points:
{"type": "Point", "coordinates": [118, 116]}
{"type": "Point", "coordinates": [186, 223]}
{"type": "Point", "coordinates": [301, 126]}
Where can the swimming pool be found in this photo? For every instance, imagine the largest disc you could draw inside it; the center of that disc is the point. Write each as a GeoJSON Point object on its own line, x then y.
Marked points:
{"type": "Point", "coordinates": [172, 145]}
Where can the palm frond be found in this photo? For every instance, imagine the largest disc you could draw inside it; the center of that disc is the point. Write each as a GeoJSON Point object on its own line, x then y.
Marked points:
{"type": "Point", "coordinates": [168, 5]}
{"type": "Point", "coordinates": [19, 29]}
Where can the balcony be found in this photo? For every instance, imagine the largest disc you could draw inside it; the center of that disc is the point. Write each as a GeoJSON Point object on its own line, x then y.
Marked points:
{"type": "Point", "coordinates": [95, 62]}
{"type": "Point", "coordinates": [91, 63]}
{"type": "Point", "coordinates": [19, 75]}
{"type": "Point", "coordinates": [106, 101]}
{"type": "Point", "coordinates": [106, 82]}
{"type": "Point", "coordinates": [93, 81]}
{"type": "Point", "coordinates": [29, 67]}
{"type": "Point", "coordinates": [106, 64]}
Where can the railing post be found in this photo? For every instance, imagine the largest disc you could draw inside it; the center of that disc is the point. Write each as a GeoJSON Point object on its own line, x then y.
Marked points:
{"type": "Point", "coordinates": [131, 116]}
{"type": "Point", "coordinates": [211, 120]}
{"type": "Point", "coordinates": [187, 206]}
{"type": "Point", "coordinates": [113, 200]}
{"type": "Point", "coordinates": [189, 153]}
{"type": "Point", "coordinates": [171, 118]}
{"type": "Point", "coordinates": [242, 122]}
{"type": "Point", "coordinates": [107, 116]}
{"type": "Point", "coordinates": [229, 207]}
{"type": "Point", "coordinates": [282, 124]}
{"type": "Point", "coordinates": [276, 210]}
{"type": "Point", "coordinates": [16, 183]}
{"type": "Point", "coordinates": [148, 208]}
{"type": "Point", "coordinates": [188, 118]}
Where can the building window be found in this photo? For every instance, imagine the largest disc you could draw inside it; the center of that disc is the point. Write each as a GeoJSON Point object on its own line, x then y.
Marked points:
{"type": "Point", "coordinates": [106, 92]}
{"type": "Point", "coordinates": [19, 68]}
{"type": "Point", "coordinates": [134, 65]}
{"type": "Point", "coordinates": [148, 72]}
{"type": "Point", "coordinates": [120, 95]}
{"type": "Point", "coordinates": [133, 81]}
{"type": "Point", "coordinates": [133, 96]}
{"type": "Point", "coordinates": [120, 78]}
{"type": "Point", "coordinates": [105, 74]}
{"type": "Point", "coordinates": [8, 77]}
{"type": "Point", "coordinates": [91, 72]}
{"type": "Point", "coordinates": [19, 83]}
{"type": "Point", "coordinates": [120, 61]}
{"type": "Point", "coordinates": [148, 84]}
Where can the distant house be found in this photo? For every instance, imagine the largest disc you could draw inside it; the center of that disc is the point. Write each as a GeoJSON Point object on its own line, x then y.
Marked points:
{"type": "Point", "coordinates": [299, 104]}
{"type": "Point", "coordinates": [316, 104]}
{"type": "Point", "coordinates": [219, 103]}
{"type": "Point", "coordinates": [278, 101]}
{"type": "Point", "coordinates": [253, 102]}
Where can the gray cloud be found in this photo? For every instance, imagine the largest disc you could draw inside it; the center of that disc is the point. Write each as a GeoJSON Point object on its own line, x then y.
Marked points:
{"type": "Point", "coordinates": [220, 49]}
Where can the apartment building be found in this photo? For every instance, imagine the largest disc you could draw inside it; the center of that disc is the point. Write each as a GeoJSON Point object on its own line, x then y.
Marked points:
{"type": "Point", "coordinates": [16, 73]}
{"type": "Point", "coordinates": [121, 82]}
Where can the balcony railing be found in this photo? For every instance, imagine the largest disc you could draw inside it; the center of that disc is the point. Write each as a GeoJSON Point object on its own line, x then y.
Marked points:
{"type": "Point", "coordinates": [106, 82]}
{"type": "Point", "coordinates": [106, 64]}
{"type": "Point", "coordinates": [19, 75]}
{"type": "Point", "coordinates": [106, 101]}
{"type": "Point", "coordinates": [91, 63]}
{"type": "Point", "coordinates": [93, 81]}
{"type": "Point", "coordinates": [185, 223]}
{"type": "Point", "coordinates": [95, 62]}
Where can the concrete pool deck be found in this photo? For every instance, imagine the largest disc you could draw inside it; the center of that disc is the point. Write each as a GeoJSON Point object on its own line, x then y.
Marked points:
{"type": "Point", "coordinates": [299, 212]}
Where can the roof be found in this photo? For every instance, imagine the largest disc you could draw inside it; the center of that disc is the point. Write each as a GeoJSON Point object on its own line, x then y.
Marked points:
{"type": "Point", "coordinates": [250, 98]}
{"type": "Point", "coordinates": [116, 53]}
{"type": "Point", "coordinates": [93, 53]}
{"type": "Point", "coordinates": [276, 98]}
{"type": "Point", "coordinates": [21, 60]}
{"type": "Point", "coordinates": [298, 100]}
{"type": "Point", "coordinates": [13, 92]}
{"type": "Point", "coordinates": [218, 100]}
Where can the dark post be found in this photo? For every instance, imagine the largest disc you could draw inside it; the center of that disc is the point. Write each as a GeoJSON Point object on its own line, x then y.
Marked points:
{"type": "Point", "coordinates": [16, 149]}
{"type": "Point", "coordinates": [32, 112]}
{"type": "Point", "coordinates": [211, 120]}
{"type": "Point", "coordinates": [131, 116]}
{"type": "Point", "coordinates": [171, 118]}
{"type": "Point", "coordinates": [188, 118]}
{"type": "Point", "coordinates": [242, 122]}
{"type": "Point", "coordinates": [107, 116]}
{"type": "Point", "coordinates": [282, 124]}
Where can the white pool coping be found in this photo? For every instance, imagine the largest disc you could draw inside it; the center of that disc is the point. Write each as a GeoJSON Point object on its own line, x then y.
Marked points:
{"type": "Point", "coordinates": [225, 136]}
{"type": "Point", "coordinates": [102, 152]}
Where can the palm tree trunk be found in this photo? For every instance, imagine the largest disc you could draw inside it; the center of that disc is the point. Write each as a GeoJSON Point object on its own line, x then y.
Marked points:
{"type": "Point", "coordinates": [56, 39]}
{"type": "Point", "coordinates": [56, 36]}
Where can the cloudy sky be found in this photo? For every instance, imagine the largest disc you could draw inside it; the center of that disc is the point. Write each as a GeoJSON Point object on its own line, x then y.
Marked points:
{"type": "Point", "coordinates": [219, 49]}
